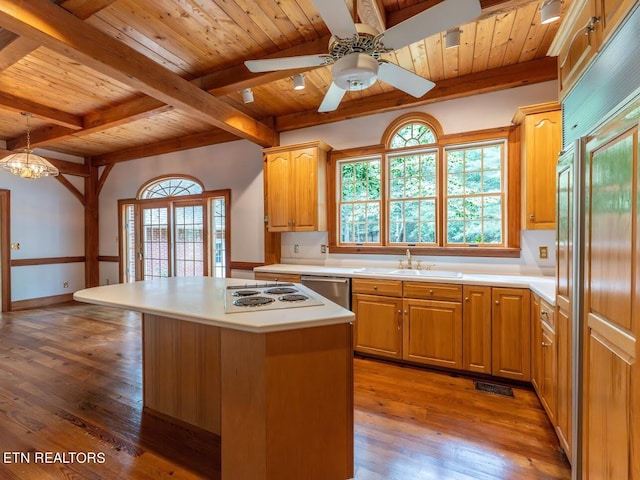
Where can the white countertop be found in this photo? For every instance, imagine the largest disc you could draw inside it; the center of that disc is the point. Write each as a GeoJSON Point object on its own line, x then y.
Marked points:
{"type": "Point", "coordinates": [545, 287]}
{"type": "Point", "coordinates": [201, 300]}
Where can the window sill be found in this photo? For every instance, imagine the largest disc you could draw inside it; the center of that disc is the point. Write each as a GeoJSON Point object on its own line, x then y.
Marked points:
{"type": "Point", "coordinates": [500, 252]}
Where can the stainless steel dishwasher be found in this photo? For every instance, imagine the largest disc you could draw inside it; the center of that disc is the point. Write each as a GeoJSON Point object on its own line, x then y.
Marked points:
{"type": "Point", "coordinates": [336, 289]}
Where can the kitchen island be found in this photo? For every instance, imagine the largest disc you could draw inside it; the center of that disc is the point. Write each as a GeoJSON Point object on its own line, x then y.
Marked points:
{"type": "Point", "coordinates": [276, 385]}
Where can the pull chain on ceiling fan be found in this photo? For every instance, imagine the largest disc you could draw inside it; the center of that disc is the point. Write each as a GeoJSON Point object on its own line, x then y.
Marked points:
{"type": "Point", "coordinates": [355, 49]}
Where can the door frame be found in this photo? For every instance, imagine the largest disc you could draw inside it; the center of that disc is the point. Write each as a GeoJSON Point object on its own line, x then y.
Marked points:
{"type": "Point", "coordinates": [5, 250]}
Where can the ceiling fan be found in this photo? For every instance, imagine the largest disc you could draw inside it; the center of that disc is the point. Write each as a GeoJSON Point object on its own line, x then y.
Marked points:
{"type": "Point", "coordinates": [356, 49]}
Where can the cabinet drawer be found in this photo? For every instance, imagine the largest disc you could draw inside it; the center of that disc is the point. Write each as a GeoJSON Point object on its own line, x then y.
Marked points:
{"type": "Point", "coordinates": [389, 288]}
{"type": "Point", "coordinates": [547, 314]}
{"type": "Point", "coordinates": [277, 277]}
{"type": "Point", "coordinates": [433, 291]}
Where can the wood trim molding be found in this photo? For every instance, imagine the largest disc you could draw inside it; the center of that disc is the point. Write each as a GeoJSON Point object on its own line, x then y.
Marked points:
{"type": "Point", "coordinates": [246, 265]}
{"type": "Point", "coordinates": [5, 253]}
{"type": "Point", "coordinates": [29, 262]}
{"type": "Point", "coordinates": [109, 258]}
{"type": "Point", "coordinates": [41, 302]}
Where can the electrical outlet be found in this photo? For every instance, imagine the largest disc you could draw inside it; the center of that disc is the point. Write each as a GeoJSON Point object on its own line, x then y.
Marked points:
{"type": "Point", "coordinates": [296, 248]}
{"type": "Point", "coordinates": [65, 284]}
{"type": "Point", "coordinates": [543, 252]}
{"type": "Point", "coordinates": [323, 249]}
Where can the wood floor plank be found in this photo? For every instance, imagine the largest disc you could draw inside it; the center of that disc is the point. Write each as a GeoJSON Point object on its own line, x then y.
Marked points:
{"type": "Point", "coordinates": [71, 381]}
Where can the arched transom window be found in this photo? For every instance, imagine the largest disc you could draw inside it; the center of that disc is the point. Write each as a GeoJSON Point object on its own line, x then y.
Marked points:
{"type": "Point", "coordinates": [423, 190]}
{"type": "Point", "coordinates": [175, 228]}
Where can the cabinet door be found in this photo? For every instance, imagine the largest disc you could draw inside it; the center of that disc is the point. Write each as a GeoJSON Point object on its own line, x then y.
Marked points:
{"type": "Point", "coordinates": [564, 390]}
{"type": "Point", "coordinates": [580, 45]}
{"type": "Point", "coordinates": [548, 374]}
{"type": "Point", "coordinates": [476, 329]}
{"type": "Point", "coordinates": [511, 333]}
{"type": "Point", "coordinates": [378, 325]}
{"type": "Point", "coordinates": [542, 144]}
{"type": "Point", "coordinates": [536, 345]}
{"type": "Point", "coordinates": [277, 184]}
{"type": "Point", "coordinates": [305, 189]}
{"type": "Point", "coordinates": [433, 332]}
{"type": "Point", "coordinates": [611, 383]}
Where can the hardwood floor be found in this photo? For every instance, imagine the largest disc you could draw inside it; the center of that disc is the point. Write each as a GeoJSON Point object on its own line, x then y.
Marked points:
{"type": "Point", "coordinates": [70, 408]}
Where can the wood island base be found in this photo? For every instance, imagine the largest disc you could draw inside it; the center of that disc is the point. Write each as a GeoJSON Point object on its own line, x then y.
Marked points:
{"type": "Point", "coordinates": [282, 402]}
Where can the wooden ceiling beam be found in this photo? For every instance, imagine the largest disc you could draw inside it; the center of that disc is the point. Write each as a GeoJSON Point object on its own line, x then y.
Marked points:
{"type": "Point", "coordinates": [52, 115]}
{"type": "Point", "coordinates": [218, 83]}
{"type": "Point", "coordinates": [62, 32]}
{"type": "Point", "coordinates": [166, 146]}
{"type": "Point", "coordinates": [517, 75]}
{"type": "Point", "coordinates": [85, 8]}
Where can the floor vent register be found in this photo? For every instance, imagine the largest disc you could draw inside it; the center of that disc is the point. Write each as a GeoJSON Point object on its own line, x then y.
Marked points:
{"type": "Point", "coordinates": [494, 388]}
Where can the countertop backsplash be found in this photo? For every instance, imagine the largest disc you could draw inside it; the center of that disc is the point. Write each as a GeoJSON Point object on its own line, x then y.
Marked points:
{"type": "Point", "coordinates": [309, 252]}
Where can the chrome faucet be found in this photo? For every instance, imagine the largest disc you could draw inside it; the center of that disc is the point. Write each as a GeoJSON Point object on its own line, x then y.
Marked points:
{"type": "Point", "coordinates": [409, 259]}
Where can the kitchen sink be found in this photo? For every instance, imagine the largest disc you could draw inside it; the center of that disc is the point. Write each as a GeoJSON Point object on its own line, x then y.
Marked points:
{"type": "Point", "coordinates": [426, 273]}
{"type": "Point", "coordinates": [410, 272]}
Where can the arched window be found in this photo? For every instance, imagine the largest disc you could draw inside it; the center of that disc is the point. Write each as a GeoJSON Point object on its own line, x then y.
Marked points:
{"type": "Point", "coordinates": [170, 187]}
{"type": "Point", "coordinates": [175, 228]}
{"type": "Point", "coordinates": [423, 189]}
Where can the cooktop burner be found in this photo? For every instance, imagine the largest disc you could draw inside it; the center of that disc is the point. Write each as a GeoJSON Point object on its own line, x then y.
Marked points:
{"type": "Point", "coordinates": [245, 293]}
{"type": "Point", "coordinates": [280, 290]}
{"type": "Point", "coordinates": [254, 297]}
{"type": "Point", "coordinates": [252, 301]}
{"type": "Point", "coordinates": [294, 297]}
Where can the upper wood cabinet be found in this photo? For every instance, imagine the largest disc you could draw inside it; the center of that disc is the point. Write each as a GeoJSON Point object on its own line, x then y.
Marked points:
{"type": "Point", "coordinates": [586, 26]}
{"type": "Point", "coordinates": [295, 187]}
{"type": "Point", "coordinates": [541, 142]}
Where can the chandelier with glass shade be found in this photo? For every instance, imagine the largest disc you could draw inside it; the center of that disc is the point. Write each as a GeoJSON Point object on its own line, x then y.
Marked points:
{"type": "Point", "coordinates": [27, 164]}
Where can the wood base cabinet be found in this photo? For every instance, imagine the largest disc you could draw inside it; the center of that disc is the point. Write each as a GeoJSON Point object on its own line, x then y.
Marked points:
{"type": "Point", "coordinates": [511, 333]}
{"type": "Point", "coordinates": [544, 357]}
{"type": "Point", "coordinates": [377, 305]}
{"type": "Point", "coordinates": [476, 329]}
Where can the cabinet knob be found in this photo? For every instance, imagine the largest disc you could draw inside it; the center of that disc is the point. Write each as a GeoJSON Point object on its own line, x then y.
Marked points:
{"type": "Point", "coordinates": [545, 345]}
{"type": "Point", "coordinates": [466, 299]}
{"type": "Point", "coordinates": [497, 302]}
{"type": "Point", "coordinates": [405, 312]}
{"type": "Point", "coordinates": [430, 292]}
{"type": "Point", "coordinates": [532, 216]}
{"type": "Point", "coordinates": [375, 287]}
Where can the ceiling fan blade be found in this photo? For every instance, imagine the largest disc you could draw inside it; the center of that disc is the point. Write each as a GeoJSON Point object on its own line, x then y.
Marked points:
{"type": "Point", "coordinates": [287, 63]}
{"type": "Point", "coordinates": [404, 79]}
{"type": "Point", "coordinates": [337, 17]}
{"type": "Point", "coordinates": [332, 98]}
{"type": "Point", "coordinates": [441, 17]}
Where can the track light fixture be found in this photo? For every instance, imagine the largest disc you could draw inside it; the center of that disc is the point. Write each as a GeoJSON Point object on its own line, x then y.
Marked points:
{"type": "Point", "coordinates": [247, 95]}
{"type": "Point", "coordinates": [452, 37]}
{"type": "Point", "coordinates": [550, 11]}
{"type": "Point", "coordinates": [298, 81]}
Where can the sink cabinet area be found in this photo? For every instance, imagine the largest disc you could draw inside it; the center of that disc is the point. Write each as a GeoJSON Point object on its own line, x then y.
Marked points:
{"type": "Point", "coordinates": [463, 327]}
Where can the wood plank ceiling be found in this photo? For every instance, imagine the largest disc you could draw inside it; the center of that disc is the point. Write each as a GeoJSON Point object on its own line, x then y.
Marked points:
{"type": "Point", "coordinates": [112, 80]}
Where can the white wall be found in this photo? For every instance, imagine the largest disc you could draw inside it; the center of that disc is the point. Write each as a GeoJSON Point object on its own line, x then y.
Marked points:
{"type": "Point", "coordinates": [47, 221]}
{"type": "Point", "coordinates": [461, 115]}
{"type": "Point", "coordinates": [235, 165]}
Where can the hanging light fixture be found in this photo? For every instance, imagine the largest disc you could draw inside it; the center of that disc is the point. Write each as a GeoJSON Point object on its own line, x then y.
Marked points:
{"type": "Point", "coordinates": [247, 95]}
{"type": "Point", "coordinates": [27, 164]}
{"type": "Point", "coordinates": [452, 38]}
{"type": "Point", "coordinates": [550, 11]}
{"type": "Point", "coordinates": [298, 81]}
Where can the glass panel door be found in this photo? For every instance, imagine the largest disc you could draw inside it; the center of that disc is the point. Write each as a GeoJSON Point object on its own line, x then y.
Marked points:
{"type": "Point", "coordinates": [189, 240]}
{"type": "Point", "coordinates": [155, 245]}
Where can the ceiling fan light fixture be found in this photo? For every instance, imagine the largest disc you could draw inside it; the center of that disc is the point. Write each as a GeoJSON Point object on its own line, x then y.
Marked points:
{"type": "Point", "coordinates": [356, 71]}
{"type": "Point", "coordinates": [26, 164]}
{"type": "Point", "coordinates": [247, 95]}
{"type": "Point", "coordinates": [298, 81]}
{"type": "Point", "coordinates": [452, 37]}
{"type": "Point", "coordinates": [550, 11]}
